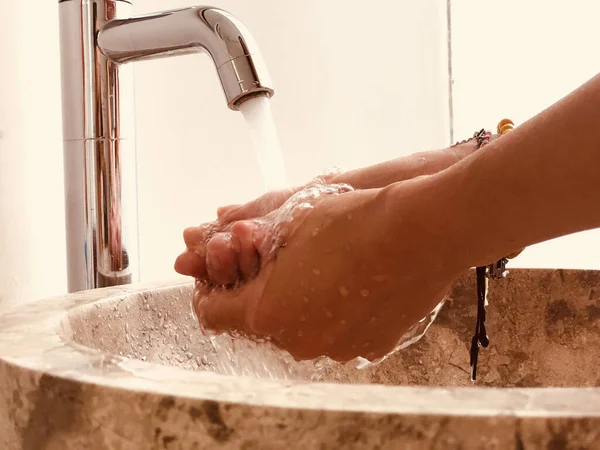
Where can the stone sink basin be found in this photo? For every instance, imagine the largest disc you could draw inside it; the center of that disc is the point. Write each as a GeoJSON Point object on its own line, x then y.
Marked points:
{"type": "Point", "coordinates": [128, 368]}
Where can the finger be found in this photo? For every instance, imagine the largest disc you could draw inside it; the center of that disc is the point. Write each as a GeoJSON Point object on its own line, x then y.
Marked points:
{"type": "Point", "coordinates": [247, 211]}
{"type": "Point", "coordinates": [191, 264]}
{"type": "Point", "coordinates": [225, 309]}
{"type": "Point", "coordinates": [224, 210]}
{"type": "Point", "coordinates": [195, 237]}
{"type": "Point", "coordinates": [259, 207]}
{"type": "Point", "coordinates": [221, 261]}
{"type": "Point", "coordinates": [242, 234]}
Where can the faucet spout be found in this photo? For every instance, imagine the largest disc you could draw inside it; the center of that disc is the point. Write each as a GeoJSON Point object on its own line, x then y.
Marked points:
{"type": "Point", "coordinates": [239, 64]}
{"type": "Point", "coordinates": [98, 38]}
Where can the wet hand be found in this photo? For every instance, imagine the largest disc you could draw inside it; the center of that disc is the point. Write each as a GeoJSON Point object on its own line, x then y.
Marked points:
{"type": "Point", "coordinates": [224, 253]}
{"type": "Point", "coordinates": [343, 285]}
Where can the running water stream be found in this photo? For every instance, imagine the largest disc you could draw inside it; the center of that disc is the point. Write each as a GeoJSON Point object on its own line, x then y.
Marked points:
{"type": "Point", "coordinates": [259, 119]}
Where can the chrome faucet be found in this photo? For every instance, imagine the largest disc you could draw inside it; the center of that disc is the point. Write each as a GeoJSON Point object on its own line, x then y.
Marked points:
{"type": "Point", "coordinates": [97, 39]}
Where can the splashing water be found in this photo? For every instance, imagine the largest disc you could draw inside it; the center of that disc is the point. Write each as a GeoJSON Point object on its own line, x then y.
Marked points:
{"type": "Point", "coordinates": [259, 119]}
{"type": "Point", "coordinates": [246, 355]}
{"type": "Point", "coordinates": [249, 356]}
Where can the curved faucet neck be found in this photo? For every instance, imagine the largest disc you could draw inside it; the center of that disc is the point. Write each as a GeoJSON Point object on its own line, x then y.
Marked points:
{"type": "Point", "coordinates": [98, 38]}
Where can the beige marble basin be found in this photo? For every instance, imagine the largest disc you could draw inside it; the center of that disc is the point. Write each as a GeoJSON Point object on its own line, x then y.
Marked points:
{"type": "Point", "coordinates": [128, 368]}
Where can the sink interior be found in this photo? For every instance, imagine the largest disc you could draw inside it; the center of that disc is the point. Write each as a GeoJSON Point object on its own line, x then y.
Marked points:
{"type": "Point", "coordinates": [543, 327]}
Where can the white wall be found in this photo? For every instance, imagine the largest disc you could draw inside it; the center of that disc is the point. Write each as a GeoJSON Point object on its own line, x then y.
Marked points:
{"type": "Point", "coordinates": [513, 59]}
{"type": "Point", "coordinates": [32, 245]}
{"type": "Point", "coordinates": [354, 86]}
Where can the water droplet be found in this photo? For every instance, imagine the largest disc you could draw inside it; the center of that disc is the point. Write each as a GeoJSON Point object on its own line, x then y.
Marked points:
{"type": "Point", "coordinates": [328, 314]}
{"type": "Point", "coordinates": [315, 232]}
{"type": "Point", "coordinates": [316, 272]}
{"type": "Point", "coordinates": [366, 344]}
{"type": "Point", "coordinates": [302, 318]}
{"type": "Point", "coordinates": [370, 356]}
{"type": "Point", "coordinates": [305, 299]}
{"type": "Point", "coordinates": [364, 292]}
{"type": "Point", "coordinates": [349, 216]}
{"type": "Point", "coordinates": [343, 322]}
{"type": "Point", "coordinates": [379, 278]}
{"type": "Point", "coordinates": [344, 291]}
{"type": "Point", "coordinates": [373, 319]}
{"type": "Point", "coordinates": [300, 334]}
{"type": "Point", "coordinates": [330, 340]}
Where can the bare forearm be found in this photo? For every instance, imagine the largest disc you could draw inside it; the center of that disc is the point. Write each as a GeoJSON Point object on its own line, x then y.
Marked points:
{"type": "Point", "coordinates": [538, 182]}
{"type": "Point", "coordinates": [405, 168]}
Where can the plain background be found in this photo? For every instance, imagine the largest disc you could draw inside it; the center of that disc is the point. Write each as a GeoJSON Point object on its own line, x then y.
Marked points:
{"type": "Point", "coordinates": [355, 84]}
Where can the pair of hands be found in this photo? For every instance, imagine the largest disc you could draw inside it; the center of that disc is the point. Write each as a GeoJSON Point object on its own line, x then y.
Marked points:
{"type": "Point", "coordinates": [345, 282]}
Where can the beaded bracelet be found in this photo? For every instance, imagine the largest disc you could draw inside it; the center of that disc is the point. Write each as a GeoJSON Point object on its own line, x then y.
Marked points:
{"type": "Point", "coordinates": [480, 338]}
{"type": "Point", "coordinates": [483, 273]}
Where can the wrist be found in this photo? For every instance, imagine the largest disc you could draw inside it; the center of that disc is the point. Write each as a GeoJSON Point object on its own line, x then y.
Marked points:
{"type": "Point", "coordinates": [422, 212]}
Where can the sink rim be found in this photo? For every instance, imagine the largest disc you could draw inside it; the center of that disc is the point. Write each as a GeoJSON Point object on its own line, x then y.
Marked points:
{"type": "Point", "coordinates": [30, 340]}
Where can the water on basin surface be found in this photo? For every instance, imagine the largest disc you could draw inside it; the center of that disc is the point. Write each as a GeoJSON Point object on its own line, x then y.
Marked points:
{"type": "Point", "coordinates": [544, 328]}
{"type": "Point", "coordinates": [162, 328]}
{"type": "Point", "coordinates": [259, 119]}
